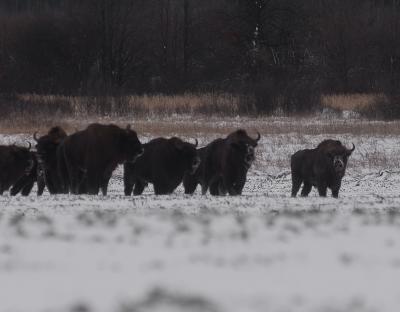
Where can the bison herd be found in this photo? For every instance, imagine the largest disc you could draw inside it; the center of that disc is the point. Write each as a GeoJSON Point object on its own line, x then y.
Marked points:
{"type": "Point", "coordinates": [83, 163]}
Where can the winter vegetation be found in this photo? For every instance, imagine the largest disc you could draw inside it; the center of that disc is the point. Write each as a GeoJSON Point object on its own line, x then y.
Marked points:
{"type": "Point", "coordinates": [269, 55]}
{"type": "Point", "coordinates": [294, 72]}
{"type": "Point", "coordinates": [262, 250]}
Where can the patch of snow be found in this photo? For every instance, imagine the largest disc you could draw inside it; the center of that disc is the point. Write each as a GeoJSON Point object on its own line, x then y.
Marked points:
{"type": "Point", "coordinates": [263, 251]}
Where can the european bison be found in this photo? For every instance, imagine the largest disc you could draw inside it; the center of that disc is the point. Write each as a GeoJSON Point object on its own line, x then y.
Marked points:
{"type": "Point", "coordinates": [164, 163]}
{"type": "Point", "coordinates": [15, 162]}
{"type": "Point", "coordinates": [90, 156]}
{"type": "Point", "coordinates": [47, 147]}
{"type": "Point", "coordinates": [322, 167]}
{"type": "Point", "coordinates": [224, 165]}
{"type": "Point", "coordinates": [26, 182]}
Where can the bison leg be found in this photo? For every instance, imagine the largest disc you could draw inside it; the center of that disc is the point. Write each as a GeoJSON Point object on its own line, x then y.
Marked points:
{"type": "Point", "coordinates": [306, 189]}
{"type": "Point", "coordinates": [222, 190]}
{"type": "Point", "coordinates": [204, 188]}
{"type": "Point", "coordinates": [214, 188]}
{"type": "Point", "coordinates": [78, 181]}
{"type": "Point", "coordinates": [189, 183]}
{"type": "Point", "coordinates": [82, 185]}
{"type": "Point", "coordinates": [104, 184]}
{"type": "Point", "coordinates": [296, 184]}
{"type": "Point", "coordinates": [128, 187]}
{"type": "Point", "coordinates": [217, 188]}
{"type": "Point", "coordinates": [322, 188]}
{"type": "Point", "coordinates": [49, 182]}
{"type": "Point", "coordinates": [62, 171]}
{"type": "Point", "coordinates": [104, 189]}
{"type": "Point", "coordinates": [74, 181]}
{"type": "Point", "coordinates": [19, 185]}
{"type": "Point", "coordinates": [26, 190]}
{"type": "Point", "coordinates": [237, 186]}
{"type": "Point", "coordinates": [235, 190]}
{"type": "Point", "coordinates": [40, 185]}
{"type": "Point", "coordinates": [93, 187]}
{"type": "Point", "coordinates": [129, 181]}
{"type": "Point", "coordinates": [335, 190]}
{"type": "Point", "coordinates": [139, 187]}
{"type": "Point", "coordinates": [69, 172]}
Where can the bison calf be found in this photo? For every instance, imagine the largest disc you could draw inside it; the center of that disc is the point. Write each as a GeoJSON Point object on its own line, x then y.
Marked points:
{"type": "Point", "coordinates": [224, 165]}
{"type": "Point", "coordinates": [164, 163]}
{"type": "Point", "coordinates": [322, 167]}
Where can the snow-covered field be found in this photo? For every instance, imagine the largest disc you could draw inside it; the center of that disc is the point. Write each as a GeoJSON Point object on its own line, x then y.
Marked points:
{"type": "Point", "coordinates": [263, 251]}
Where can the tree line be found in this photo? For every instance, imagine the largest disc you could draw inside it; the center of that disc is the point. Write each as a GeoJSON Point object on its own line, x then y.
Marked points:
{"type": "Point", "coordinates": [282, 52]}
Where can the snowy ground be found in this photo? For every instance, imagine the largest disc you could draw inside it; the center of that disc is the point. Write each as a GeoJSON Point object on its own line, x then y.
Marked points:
{"type": "Point", "coordinates": [263, 251]}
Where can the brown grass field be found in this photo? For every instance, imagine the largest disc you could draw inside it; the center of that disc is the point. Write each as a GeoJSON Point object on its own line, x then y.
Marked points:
{"type": "Point", "coordinates": [352, 102]}
{"type": "Point", "coordinates": [189, 115]}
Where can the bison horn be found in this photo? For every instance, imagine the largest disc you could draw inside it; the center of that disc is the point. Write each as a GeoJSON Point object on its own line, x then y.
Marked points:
{"type": "Point", "coordinates": [35, 136]}
{"type": "Point", "coordinates": [258, 137]}
{"type": "Point", "coordinates": [351, 150]}
{"type": "Point", "coordinates": [29, 145]}
{"type": "Point", "coordinates": [197, 143]}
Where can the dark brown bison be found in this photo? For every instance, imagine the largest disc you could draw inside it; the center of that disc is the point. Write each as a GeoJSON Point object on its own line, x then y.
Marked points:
{"type": "Point", "coordinates": [47, 147]}
{"type": "Point", "coordinates": [224, 165]}
{"type": "Point", "coordinates": [26, 182]}
{"type": "Point", "coordinates": [164, 163]}
{"type": "Point", "coordinates": [322, 167]}
{"type": "Point", "coordinates": [90, 156]}
{"type": "Point", "coordinates": [15, 162]}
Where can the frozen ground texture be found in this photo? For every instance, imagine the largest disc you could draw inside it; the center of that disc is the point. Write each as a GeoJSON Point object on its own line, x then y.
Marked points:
{"type": "Point", "coordinates": [263, 251]}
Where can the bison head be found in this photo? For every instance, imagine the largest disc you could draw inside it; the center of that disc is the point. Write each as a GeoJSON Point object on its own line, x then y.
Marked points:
{"type": "Point", "coordinates": [130, 145]}
{"type": "Point", "coordinates": [244, 153]}
{"type": "Point", "coordinates": [244, 145]}
{"type": "Point", "coordinates": [46, 145]}
{"type": "Point", "coordinates": [23, 156]}
{"type": "Point", "coordinates": [240, 136]}
{"type": "Point", "coordinates": [337, 154]}
{"type": "Point", "coordinates": [188, 153]}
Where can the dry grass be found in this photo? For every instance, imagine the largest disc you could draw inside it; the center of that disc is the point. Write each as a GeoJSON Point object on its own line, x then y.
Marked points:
{"type": "Point", "coordinates": [281, 136]}
{"type": "Point", "coordinates": [187, 115]}
{"type": "Point", "coordinates": [352, 102]}
{"type": "Point", "coordinates": [208, 104]}
{"type": "Point", "coordinates": [146, 105]}
{"type": "Point", "coordinates": [194, 126]}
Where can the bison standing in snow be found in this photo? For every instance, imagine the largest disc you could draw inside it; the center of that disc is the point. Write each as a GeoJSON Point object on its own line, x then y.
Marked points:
{"type": "Point", "coordinates": [15, 162]}
{"type": "Point", "coordinates": [164, 163]}
{"type": "Point", "coordinates": [47, 146]}
{"type": "Point", "coordinates": [26, 182]}
{"type": "Point", "coordinates": [224, 165]}
{"type": "Point", "coordinates": [90, 156]}
{"type": "Point", "coordinates": [322, 167]}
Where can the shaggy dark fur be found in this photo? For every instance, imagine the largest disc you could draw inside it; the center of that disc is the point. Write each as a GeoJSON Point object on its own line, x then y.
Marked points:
{"type": "Point", "coordinates": [15, 162]}
{"type": "Point", "coordinates": [322, 167]}
{"type": "Point", "coordinates": [90, 156]}
{"type": "Point", "coordinates": [25, 183]}
{"type": "Point", "coordinates": [164, 163]}
{"type": "Point", "coordinates": [224, 165]}
{"type": "Point", "coordinates": [46, 147]}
